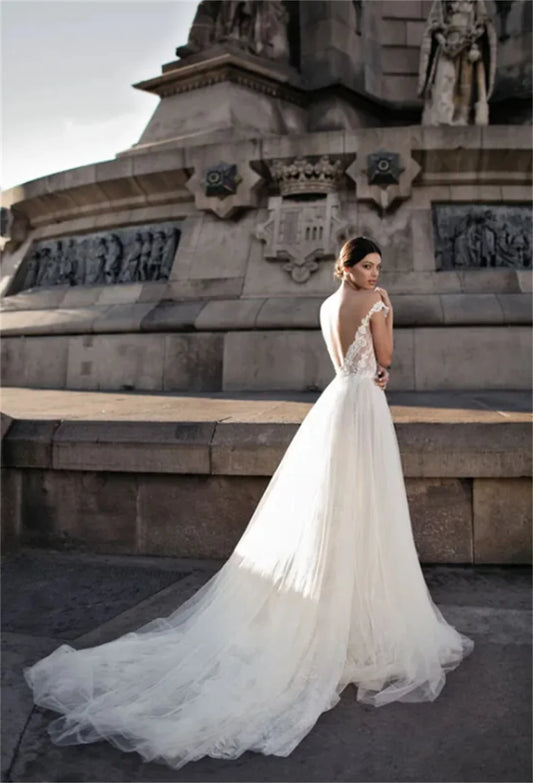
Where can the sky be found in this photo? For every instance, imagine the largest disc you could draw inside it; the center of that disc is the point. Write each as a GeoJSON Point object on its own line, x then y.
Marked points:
{"type": "Point", "coordinates": [67, 68]}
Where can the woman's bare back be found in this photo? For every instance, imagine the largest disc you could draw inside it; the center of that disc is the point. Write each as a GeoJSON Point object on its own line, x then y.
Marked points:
{"type": "Point", "coordinates": [341, 315]}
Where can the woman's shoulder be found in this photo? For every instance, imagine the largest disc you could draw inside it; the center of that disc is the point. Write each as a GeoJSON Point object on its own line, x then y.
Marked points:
{"type": "Point", "coordinates": [366, 299]}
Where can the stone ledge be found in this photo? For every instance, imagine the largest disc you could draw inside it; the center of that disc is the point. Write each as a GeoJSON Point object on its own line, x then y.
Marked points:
{"type": "Point", "coordinates": [149, 447]}
{"type": "Point", "coordinates": [6, 422]}
{"type": "Point", "coordinates": [428, 449]}
{"type": "Point", "coordinates": [250, 313]}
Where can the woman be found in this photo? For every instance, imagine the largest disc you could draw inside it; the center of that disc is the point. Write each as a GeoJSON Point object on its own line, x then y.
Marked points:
{"type": "Point", "coordinates": [323, 589]}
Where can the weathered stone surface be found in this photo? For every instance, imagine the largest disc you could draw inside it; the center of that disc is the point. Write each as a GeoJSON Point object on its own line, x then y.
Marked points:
{"type": "Point", "coordinates": [277, 313]}
{"type": "Point", "coordinates": [216, 114]}
{"type": "Point", "coordinates": [44, 361]}
{"type": "Point", "coordinates": [401, 9]}
{"type": "Point", "coordinates": [168, 316]}
{"type": "Point", "coordinates": [10, 507]}
{"type": "Point", "coordinates": [18, 651]}
{"type": "Point", "coordinates": [402, 60]}
{"type": "Point", "coordinates": [127, 293]}
{"type": "Point", "coordinates": [516, 308]}
{"type": "Point", "coordinates": [448, 359]}
{"type": "Point", "coordinates": [468, 449]}
{"type": "Point", "coordinates": [47, 322]}
{"type": "Point", "coordinates": [193, 516]}
{"type": "Point", "coordinates": [502, 520]}
{"type": "Point", "coordinates": [249, 449]}
{"type": "Point", "coordinates": [474, 309]}
{"type": "Point", "coordinates": [160, 447]}
{"type": "Point", "coordinates": [5, 422]}
{"type": "Point", "coordinates": [93, 509]}
{"type": "Point", "coordinates": [29, 444]}
{"type": "Point", "coordinates": [115, 361]}
{"type": "Point", "coordinates": [399, 87]}
{"type": "Point", "coordinates": [81, 296]}
{"type": "Point", "coordinates": [415, 30]}
{"type": "Point", "coordinates": [205, 287]}
{"type": "Point", "coordinates": [122, 317]}
{"type": "Point", "coordinates": [441, 515]}
{"type": "Point", "coordinates": [37, 300]}
{"type": "Point", "coordinates": [12, 361]}
{"type": "Point", "coordinates": [193, 362]}
{"type": "Point", "coordinates": [394, 32]}
{"type": "Point", "coordinates": [415, 310]}
{"type": "Point", "coordinates": [229, 314]}
{"type": "Point", "coordinates": [488, 281]}
{"type": "Point", "coordinates": [275, 360]}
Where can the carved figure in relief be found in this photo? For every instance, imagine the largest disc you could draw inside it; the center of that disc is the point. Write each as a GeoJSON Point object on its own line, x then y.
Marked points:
{"type": "Point", "coordinates": [113, 259]}
{"type": "Point", "coordinates": [457, 63]}
{"type": "Point", "coordinates": [156, 259]}
{"type": "Point", "coordinates": [130, 270]}
{"type": "Point", "coordinates": [146, 254]}
{"type": "Point", "coordinates": [257, 26]}
{"type": "Point", "coordinates": [32, 270]}
{"type": "Point", "coordinates": [123, 256]}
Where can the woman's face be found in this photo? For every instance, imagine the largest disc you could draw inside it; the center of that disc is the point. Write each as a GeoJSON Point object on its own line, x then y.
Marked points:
{"type": "Point", "coordinates": [365, 273]}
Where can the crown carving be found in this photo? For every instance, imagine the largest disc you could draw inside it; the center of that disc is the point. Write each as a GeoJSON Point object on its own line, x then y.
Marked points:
{"type": "Point", "coordinates": [303, 175]}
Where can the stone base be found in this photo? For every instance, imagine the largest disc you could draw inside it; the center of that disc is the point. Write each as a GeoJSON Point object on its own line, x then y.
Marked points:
{"type": "Point", "coordinates": [187, 481]}
{"type": "Point", "coordinates": [265, 359]}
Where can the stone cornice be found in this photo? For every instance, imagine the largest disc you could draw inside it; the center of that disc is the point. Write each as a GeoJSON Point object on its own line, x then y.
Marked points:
{"type": "Point", "coordinates": [223, 67]}
{"type": "Point", "coordinates": [502, 154]}
{"type": "Point", "coordinates": [41, 313]}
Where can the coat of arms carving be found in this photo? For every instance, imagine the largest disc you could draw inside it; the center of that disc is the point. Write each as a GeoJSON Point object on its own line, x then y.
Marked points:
{"type": "Point", "coordinates": [302, 233]}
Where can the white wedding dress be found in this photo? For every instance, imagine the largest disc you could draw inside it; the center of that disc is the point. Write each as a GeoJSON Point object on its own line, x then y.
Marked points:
{"type": "Point", "coordinates": [323, 589]}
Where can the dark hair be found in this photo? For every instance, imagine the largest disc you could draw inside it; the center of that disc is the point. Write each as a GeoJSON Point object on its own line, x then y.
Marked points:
{"type": "Point", "coordinates": [353, 251]}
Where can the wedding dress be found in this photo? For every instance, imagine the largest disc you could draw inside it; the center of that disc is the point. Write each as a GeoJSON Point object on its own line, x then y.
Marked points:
{"type": "Point", "coordinates": [323, 589]}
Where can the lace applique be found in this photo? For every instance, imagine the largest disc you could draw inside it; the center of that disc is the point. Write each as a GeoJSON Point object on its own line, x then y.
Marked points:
{"type": "Point", "coordinates": [360, 358]}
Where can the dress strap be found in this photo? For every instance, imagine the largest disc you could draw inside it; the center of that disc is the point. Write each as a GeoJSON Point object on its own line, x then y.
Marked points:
{"type": "Point", "coordinates": [376, 307]}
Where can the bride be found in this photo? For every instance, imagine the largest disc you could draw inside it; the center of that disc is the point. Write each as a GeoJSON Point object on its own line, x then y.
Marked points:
{"type": "Point", "coordinates": [323, 589]}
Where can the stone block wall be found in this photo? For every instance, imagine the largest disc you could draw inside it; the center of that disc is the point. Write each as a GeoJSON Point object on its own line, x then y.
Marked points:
{"type": "Point", "coordinates": [374, 47]}
{"type": "Point", "coordinates": [401, 29]}
{"type": "Point", "coordinates": [189, 489]}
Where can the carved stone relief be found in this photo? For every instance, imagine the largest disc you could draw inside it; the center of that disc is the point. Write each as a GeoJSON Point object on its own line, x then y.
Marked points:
{"type": "Point", "coordinates": [223, 188]}
{"type": "Point", "coordinates": [305, 225]}
{"type": "Point", "coordinates": [480, 236]}
{"type": "Point", "coordinates": [300, 234]}
{"type": "Point", "coordinates": [260, 28]}
{"type": "Point", "coordinates": [123, 255]}
{"type": "Point", "coordinates": [306, 175]}
{"type": "Point", "coordinates": [384, 177]}
{"type": "Point", "coordinates": [383, 168]}
{"type": "Point", "coordinates": [221, 180]}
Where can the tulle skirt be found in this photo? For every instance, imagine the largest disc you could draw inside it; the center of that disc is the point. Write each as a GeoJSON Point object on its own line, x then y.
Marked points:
{"type": "Point", "coordinates": [323, 589]}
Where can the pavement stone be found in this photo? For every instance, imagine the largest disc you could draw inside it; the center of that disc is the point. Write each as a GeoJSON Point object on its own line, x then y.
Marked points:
{"type": "Point", "coordinates": [479, 729]}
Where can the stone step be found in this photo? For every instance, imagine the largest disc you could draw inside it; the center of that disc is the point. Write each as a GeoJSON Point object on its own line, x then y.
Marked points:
{"type": "Point", "coordinates": [182, 474]}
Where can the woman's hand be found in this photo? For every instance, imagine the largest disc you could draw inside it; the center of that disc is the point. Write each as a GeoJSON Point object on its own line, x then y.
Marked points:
{"type": "Point", "coordinates": [382, 377]}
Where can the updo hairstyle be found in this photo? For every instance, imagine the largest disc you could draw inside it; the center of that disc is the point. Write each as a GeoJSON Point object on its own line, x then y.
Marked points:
{"type": "Point", "coordinates": [353, 251]}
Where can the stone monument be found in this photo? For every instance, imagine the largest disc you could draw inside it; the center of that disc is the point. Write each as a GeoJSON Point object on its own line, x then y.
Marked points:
{"type": "Point", "coordinates": [195, 262]}
{"type": "Point", "coordinates": [198, 258]}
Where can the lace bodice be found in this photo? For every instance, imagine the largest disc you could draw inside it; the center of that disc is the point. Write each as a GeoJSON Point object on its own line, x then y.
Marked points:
{"type": "Point", "coordinates": [360, 358]}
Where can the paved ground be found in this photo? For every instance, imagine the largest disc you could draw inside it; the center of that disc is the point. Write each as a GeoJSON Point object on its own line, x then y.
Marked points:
{"type": "Point", "coordinates": [479, 729]}
{"type": "Point", "coordinates": [445, 407]}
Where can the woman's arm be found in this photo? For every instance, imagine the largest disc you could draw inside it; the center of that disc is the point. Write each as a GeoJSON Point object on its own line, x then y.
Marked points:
{"type": "Point", "coordinates": [382, 331]}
